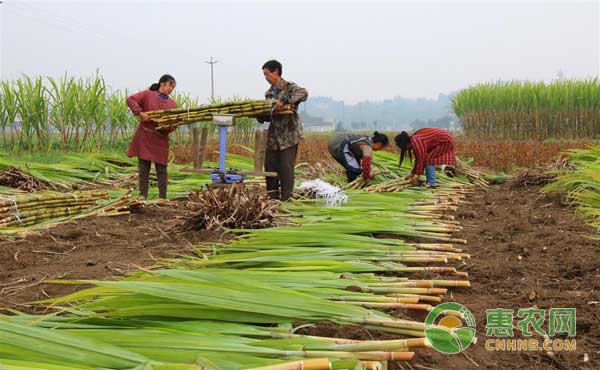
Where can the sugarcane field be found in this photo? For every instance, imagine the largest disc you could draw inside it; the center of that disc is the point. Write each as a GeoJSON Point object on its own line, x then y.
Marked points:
{"type": "Point", "coordinates": [425, 194]}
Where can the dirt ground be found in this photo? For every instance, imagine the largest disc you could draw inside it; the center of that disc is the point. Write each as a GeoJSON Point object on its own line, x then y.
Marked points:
{"type": "Point", "coordinates": [92, 248]}
{"type": "Point", "coordinates": [527, 250]}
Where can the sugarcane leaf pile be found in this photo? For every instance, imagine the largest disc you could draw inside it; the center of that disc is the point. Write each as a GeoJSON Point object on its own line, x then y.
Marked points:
{"type": "Point", "coordinates": [543, 175]}
{"type": "Point", "coordinates": [74, 170]}
{"type": "Point", "coordinates": [234, 207]}
{"type": "Point", "coordinates": [239, 305]}
{"type": "Point", "coordinates": [232, 306]}
{"type": "Point", "coordinates": [17, 179]}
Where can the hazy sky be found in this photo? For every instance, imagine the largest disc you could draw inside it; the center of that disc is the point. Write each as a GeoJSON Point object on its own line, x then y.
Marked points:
{"type": "Point", "coordinates": [350, 50]}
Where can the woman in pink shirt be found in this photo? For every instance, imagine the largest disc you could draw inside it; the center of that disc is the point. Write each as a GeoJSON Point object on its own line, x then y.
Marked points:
{"type": "Point", "coordinates": [149, 144]}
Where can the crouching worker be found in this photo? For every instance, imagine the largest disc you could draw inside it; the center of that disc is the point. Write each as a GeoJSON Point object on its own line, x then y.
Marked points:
{"type": "Point", "coordinates": [354, 152]}
{"type": "Point", "coordinates": [431, 147]}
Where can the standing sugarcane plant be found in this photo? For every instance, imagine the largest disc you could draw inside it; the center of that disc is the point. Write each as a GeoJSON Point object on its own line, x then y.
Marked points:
{"type": "Point", "coordinates": [8, 111]}
{"type": "Point", "coordinates": [120, 120]}
{"type": "Point", "coordinates": [64, 94]}
{"type": "Point", "coordinates": [91, 104]}
{"type": "Point", "coordinates": [84, 114]}
{"type": "Point", "coordinates": [32, 109]}
{"type": "Point", "coordinates": [530, 110]}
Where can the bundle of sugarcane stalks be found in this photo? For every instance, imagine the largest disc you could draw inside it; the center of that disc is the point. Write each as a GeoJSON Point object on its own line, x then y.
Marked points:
{"type": "Point", "coordinates": [121, 206]}
{"type": "Point", "coordinates": [17, 179]}
{"type": "Point", "coordinates": [30, 209]}
{"type": "Point", "coordinates": [389, 186]}
{"type": "Point", "coordinates": [474, 176]}
{"type": "Point", "coordinates": [360, 182]}
{"type": "Point", "coordinates": [249, 108]}
{"type": "Point", "coordinates": [233, 207]}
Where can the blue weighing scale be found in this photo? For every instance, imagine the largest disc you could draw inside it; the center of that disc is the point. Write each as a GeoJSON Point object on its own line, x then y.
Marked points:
{"type": "Point", "coordinates": [222, 175]}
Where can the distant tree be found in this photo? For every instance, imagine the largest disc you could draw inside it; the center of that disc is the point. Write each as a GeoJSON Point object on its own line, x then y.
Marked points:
{"type": "Point", "coordinates": [397, 113]}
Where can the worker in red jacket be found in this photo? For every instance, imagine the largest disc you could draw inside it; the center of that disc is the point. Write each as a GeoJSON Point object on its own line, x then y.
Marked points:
{"type": "Point", "coordinates": [149, 144]}
{"type": "Point", "coordinates": [431, 147]}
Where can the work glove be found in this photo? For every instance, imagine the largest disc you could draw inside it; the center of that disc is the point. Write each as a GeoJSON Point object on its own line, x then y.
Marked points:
{"type": "Point", "coordinates": [366, 167]}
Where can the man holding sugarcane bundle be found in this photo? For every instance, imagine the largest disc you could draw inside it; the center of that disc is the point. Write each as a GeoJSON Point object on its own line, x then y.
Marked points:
{"type": "Point", "coordinates": [354, 152]}
{"type": "Point", "coordinates": [285, 131]}
{"type": "Point", "coordinates": [149, 144]}
{"type": "Point", "coordinates": [431, 147]}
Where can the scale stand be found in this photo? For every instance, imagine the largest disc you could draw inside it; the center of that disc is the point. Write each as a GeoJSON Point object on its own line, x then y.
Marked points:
{"type": "Point", "coordinates": [223, 176]}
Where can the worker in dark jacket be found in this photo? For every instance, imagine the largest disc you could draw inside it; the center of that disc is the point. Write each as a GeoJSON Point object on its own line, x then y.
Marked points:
{"type": "Point", "coordinates": [354, 152]}
{"type": "Point", "coordinates": [285, 131]}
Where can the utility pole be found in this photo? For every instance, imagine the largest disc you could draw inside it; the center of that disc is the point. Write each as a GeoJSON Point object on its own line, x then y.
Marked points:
{"type": "Point", "coordinates": [199, 144]}
{"type": "Point", "coordinates": [212, 62]}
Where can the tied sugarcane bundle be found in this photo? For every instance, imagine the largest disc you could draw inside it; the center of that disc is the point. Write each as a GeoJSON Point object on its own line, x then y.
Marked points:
{"type": "Point", "coordinates": [121, 206]}
{"type": "Point", "coordinates": [477, 178]}
{"type": "Point", "coordinates": [251, 109]}
{"type": "Point", "coordinates": [474, 176]}
{"type": "Point", "coordinates": [360, 182]}
{"type": "Point", "coordinates": [396, 185]}
{"type": "Point", "coordinates": [27, 210]}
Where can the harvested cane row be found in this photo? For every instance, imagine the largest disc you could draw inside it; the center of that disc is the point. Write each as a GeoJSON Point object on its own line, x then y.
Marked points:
{"type": "Point", "coordinates": [177, 117]}
{"type": "Point", "coordinates": [233, 306]}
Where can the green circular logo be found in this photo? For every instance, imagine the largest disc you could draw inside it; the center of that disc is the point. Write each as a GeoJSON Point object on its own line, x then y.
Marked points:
{"type": "Point", "coordinates": [450, 328]}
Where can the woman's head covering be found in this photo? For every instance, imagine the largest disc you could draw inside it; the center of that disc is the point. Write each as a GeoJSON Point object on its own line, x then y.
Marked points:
{"type": "Point", "coordinates": [402, 142]}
